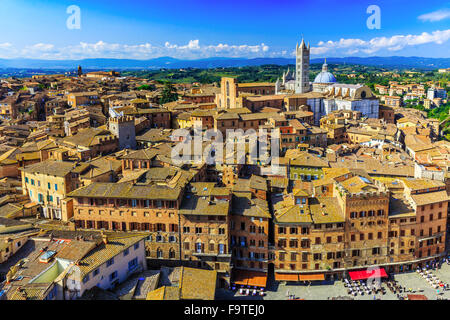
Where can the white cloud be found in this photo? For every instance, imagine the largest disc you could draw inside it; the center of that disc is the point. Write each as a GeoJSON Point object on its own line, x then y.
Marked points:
{"type": "Point", "coordinates": [237, 50]}
{"type": "Point", "coordinates": [218, 50]}
{"type": "Point", "coordinates": [317, 50]}
{"type": "Point", "coordinates": [5, 45]}
{"type": "Point", "coordinates": [7, 50]}
{"type": "Point", "coordinates": [434, 16]}
{"type": "Point", "coordinates": [41, 47]}
{"type": "Point", "coordinates": [38, 50]}
{"type": "Point", "coordinates": [192, 50]}
{"type": "Point", "coordinates": [394, 43]}
{"type": "Point", "coordinates": [193, 45]}
{"type": "Point", "coordinates": [35, 51]}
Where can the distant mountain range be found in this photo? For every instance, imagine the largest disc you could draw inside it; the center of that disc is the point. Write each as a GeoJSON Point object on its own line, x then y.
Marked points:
{"type": "Point", "coordinates": [172, 63]}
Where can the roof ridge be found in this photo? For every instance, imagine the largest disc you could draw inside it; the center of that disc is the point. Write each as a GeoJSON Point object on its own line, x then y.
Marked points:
{"type": "Point", "coordinates": [286, 210]}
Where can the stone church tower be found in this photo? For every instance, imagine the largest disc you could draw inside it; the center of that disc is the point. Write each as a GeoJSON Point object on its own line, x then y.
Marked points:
{"type": "Point", "coordinates": [124, 129]}
{"type": "Point", "coordinates": [302, 68]}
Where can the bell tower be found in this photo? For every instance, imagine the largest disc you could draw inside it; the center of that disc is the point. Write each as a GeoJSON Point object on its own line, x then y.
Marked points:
{"type": "Point", "coordinates": [302, 68]}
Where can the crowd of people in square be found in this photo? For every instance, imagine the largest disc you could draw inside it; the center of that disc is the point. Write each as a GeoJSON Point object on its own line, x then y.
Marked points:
{"type": "Point", "coordinates": [367, 287]}
{"type": "Point", "coordinates": [361, 287]}
{"type": "Point", "coordinates": [433, 280]}
{"type": "Point", "coordinates": [248, 290]}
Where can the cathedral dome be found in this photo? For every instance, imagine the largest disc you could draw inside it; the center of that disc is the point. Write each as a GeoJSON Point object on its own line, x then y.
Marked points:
{"type": "Point", "coordinates": [325, 76]}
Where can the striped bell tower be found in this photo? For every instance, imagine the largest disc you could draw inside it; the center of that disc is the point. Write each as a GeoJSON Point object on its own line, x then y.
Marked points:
{"type": "Point", "coordinates": [302, 68]}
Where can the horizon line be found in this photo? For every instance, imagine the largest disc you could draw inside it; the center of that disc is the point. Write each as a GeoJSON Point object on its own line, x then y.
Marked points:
{"type": "Point", "coordinates": [219, 57]}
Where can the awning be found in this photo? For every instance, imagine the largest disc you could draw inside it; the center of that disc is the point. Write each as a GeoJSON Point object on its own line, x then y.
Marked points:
{"type": "Point", "coordinates": [286, 276]}
{"type": "Point", "coordinates": [366, 274]}
{"type": "Point", "coordinates": [240, 279]}
{"type": "Point", "coordinates": [259, 279]}
{"type": "Point", "coordinates": [250, 278]}
{"type": "Point", "coordinates": [312, 277]}
{"type": "Point", "coordinates": [417, 297]}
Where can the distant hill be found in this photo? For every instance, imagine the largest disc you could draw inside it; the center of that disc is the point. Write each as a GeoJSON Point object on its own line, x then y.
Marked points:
{"type": "Point", "coordinates": [172, 63]}
{"type": "Point", "coordinates": [394, 62]}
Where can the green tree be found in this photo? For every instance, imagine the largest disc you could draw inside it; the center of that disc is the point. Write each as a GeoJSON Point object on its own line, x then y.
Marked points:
{"type": "Point", "coordinates": [168, 94]}
{"type": "Point", "coordinates": [146, 87]}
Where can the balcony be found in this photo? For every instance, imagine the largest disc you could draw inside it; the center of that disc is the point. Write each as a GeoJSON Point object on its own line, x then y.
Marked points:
{"type": "Point", "coordinates": [252, 259]}
{"type": "Point", "coordinates": [434, 236]}
{"type": "Point", "coordinates": [211, 254]}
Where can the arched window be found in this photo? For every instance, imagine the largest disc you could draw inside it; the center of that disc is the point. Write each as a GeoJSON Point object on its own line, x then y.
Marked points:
{"type": "Point", "coordinates": [171, 253]}
{"type": "Point", "coordinates": [159, 253]}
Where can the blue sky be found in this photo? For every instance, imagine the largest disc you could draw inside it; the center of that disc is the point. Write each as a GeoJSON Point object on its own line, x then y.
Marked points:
{"type": "Point", "coordinates": [192, 29]}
